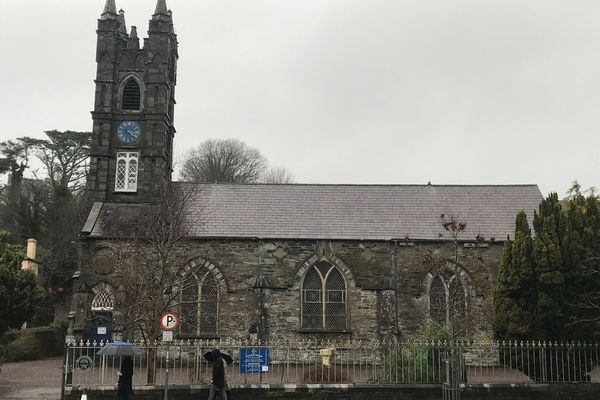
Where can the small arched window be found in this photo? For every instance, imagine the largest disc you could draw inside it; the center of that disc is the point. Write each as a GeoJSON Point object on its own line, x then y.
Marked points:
{"type": "Point", "coordinates": [199, 305]}
{"type": "Point", "coordinates": [324, 302]}
{"type": "Point", "coordinates": [447, 298]}
{"type": "Point", "coordinates": [131, 99]}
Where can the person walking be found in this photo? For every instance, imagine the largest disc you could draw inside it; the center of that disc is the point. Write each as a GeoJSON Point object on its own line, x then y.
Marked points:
{"type": "Point", "coordinates": [219, 373]}
{"type": "Point", "coordinates": [124, 387]}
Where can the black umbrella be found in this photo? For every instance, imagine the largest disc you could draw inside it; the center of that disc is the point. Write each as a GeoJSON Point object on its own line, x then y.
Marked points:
{"type": "Point", "coordinates": [208, 357]}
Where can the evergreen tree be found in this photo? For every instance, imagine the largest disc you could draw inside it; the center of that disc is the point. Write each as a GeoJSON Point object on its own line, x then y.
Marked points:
{"type": "Point", "coordinates": [573, 256]}
{"type": "Point", "coordinates": [549, 225]}
{"type": "Point", "coordinates": [516, 290]}
{"type": "Point", "coordinates": [549, 286]}
{"type": "Point", "coordinates": [583, 268]}
{"type": "Point", "coordinates": [20, 292]}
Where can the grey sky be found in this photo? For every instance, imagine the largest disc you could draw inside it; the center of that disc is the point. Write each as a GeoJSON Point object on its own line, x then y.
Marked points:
{"type": "Point", "coordinates": [344, 91]}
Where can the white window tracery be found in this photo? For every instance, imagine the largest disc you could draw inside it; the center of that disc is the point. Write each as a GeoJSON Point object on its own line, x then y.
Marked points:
{"type": "Point", "coordinates": [103, 301]}
{"type": "Point", "coordinates": [127, 172]}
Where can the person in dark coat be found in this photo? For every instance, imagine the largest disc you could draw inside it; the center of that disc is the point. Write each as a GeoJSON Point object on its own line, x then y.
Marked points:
{"type": "Point", "coordinates": [124, 387]}
{"type": "Point", "coordinates": [218, 376]}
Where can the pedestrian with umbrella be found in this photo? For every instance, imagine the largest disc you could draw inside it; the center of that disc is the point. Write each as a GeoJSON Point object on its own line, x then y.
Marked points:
{"type": "Point", "coordinates": [219, 373]}
{"type": "Point", "coordinates": [127, 351]}
{"type": "Point", "coordinates": [125, 384]}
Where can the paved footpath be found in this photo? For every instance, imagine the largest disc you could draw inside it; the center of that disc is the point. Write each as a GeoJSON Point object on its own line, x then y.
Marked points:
{"type": "Point", "coordinates": [31, 380]}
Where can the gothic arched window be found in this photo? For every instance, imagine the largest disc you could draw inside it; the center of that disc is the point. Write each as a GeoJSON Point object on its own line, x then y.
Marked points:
{"type": "Point", "coordinates": [103, 301]}
{"type": "Point", "coordinates": [131, 98]}
{"type": "Point", "coordinates": [324, 298]}
{"type": "Point", "coordinates": [199, 305]}
{"type": "Point", "coordinates": [447, 298]}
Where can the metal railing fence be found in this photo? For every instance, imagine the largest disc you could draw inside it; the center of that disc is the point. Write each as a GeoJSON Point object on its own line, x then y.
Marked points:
{"type": "Point", "coordinates": [349, 362]}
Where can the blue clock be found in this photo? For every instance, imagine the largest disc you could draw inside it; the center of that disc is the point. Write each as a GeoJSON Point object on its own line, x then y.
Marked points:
{"type": "Point", "coordinates": [129, 131]}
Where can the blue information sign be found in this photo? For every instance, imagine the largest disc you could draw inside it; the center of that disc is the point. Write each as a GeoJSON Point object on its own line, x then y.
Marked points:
{"type": "Point", "coordinates": [254, 360]}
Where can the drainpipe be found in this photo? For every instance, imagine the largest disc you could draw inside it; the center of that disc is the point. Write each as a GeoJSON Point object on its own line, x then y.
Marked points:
{"type": "Point", "coordinates": [395, 282]}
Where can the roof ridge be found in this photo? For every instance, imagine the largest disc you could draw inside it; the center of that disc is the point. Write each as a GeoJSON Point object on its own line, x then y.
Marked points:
{"type": "Point", "coordinates": [359, 184]}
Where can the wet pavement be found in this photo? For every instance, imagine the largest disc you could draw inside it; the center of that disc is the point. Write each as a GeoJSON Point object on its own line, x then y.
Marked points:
{"type": "Point", "coordinates": [31, 380]}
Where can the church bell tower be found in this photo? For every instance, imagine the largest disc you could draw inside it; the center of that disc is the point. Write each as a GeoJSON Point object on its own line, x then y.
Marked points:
{"type": "Point", "coordinates": [132, 145]}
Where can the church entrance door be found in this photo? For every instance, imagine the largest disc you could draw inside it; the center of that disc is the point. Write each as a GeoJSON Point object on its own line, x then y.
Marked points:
{"type": "Point", "coordinates": [101, 327]}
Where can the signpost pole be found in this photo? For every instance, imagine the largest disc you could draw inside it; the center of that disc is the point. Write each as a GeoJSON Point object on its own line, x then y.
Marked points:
{"type": "Point", "coordinates": [167, 376]}
{"type": "Point", "coordinates": [169, 322]}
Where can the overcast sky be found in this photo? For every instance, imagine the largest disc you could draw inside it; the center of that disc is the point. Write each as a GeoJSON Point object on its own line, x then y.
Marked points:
{"type": "Point", "coordinates": [344, 91]}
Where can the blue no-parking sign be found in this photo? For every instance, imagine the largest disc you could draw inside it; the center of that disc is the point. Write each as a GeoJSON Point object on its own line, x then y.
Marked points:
{"type": "Point", "coordinates": [254, 360]}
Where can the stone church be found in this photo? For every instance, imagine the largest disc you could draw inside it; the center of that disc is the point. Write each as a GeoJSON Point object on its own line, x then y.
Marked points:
{"type": "Point", "coordinates": [283, 261]}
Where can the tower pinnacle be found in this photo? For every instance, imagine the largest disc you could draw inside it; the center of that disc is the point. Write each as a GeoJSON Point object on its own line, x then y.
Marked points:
{"type": "Point", "coordinates": [121, 19]}
{"type": "Point", "coordinates": [110, 10]}
{"type": "Point", "coordinates": [161, 7]}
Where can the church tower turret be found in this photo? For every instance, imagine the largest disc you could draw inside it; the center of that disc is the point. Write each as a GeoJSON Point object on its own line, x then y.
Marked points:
{"type": "Point", "coordinates": [134, 105]}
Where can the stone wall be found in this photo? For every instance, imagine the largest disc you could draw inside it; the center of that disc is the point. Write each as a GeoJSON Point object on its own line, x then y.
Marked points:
{"type": "Point", "coordinates": [387, 292]}
{"type": "Point", "coordinates": [586, 391]}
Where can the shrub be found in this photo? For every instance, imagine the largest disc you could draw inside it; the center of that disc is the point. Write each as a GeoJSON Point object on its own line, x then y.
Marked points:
{"type": "Point", "coordinates": [405, 364]}
{"type": "Point", "coordinates": [416, 360]}
{"type": "Point", "coordinates": [25, 347]}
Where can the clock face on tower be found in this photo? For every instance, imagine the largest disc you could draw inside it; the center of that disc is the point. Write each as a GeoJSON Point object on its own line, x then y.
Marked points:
{"type": "Point", "coordinates": [129, 131]}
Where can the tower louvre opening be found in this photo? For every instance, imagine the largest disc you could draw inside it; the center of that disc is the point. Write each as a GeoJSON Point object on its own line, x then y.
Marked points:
{"type": "Point", "coordinates": [131, 96]}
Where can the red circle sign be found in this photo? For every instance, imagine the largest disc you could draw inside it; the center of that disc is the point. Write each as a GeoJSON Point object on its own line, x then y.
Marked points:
{"type": "Point", "coordinates": [169, 321]}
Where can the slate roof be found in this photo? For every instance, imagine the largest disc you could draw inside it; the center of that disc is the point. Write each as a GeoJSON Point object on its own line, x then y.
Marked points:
{"type": "Point", "coordinates": [344, 212]}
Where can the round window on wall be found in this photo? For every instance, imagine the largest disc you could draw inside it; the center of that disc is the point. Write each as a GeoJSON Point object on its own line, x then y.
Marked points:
{"type": "Point", "coordinates": [103, 261]}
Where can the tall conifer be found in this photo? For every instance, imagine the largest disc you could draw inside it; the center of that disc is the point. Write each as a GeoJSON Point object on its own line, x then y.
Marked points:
{"type": "Point", "coordinates": [517, 289]}
{"type": "Point", "coordinates": [549, 225]}
{"type": "Point", "coordinates": [583, 267]}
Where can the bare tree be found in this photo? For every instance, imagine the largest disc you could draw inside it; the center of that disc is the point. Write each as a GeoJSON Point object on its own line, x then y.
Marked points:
{"type": "Point", "coordinates": [277, 175]}
{"type": "Point", "coordinates": [230, 161]}
{"type": "Point", "coordinates": [218, 161]}
{"type": "Point", "coordinates": [153, 259]}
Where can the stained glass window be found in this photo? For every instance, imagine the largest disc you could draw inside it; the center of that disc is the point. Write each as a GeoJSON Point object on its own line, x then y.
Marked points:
{"type": "Point", "coordinates": [447, 297]}
{"type": "Point", "coordinates": [208, 310]}
{"type": "Point", "coordinates": [200, 305]}
{"type": "Point", "coordinates": [189, 307]}
{"type": "Point", "coordinates": [457, 298]}
{"type": "Point", "coordinates": [437, 301]}
{"type": "Point", "coordinates": [324, 298]}
{"type": "Point", "coordinates": [335, 310]}
{"type": "Point", "coordinates": [312, 309]}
